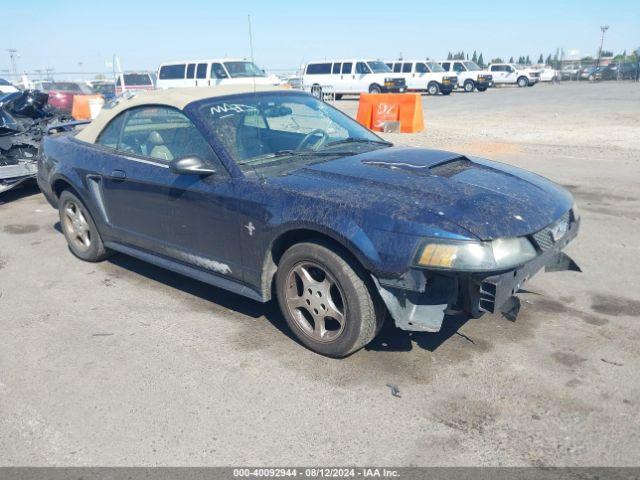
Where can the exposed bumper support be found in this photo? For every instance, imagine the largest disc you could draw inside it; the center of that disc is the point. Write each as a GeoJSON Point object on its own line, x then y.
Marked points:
{"type": "Point", "coordinates": [419, 299]}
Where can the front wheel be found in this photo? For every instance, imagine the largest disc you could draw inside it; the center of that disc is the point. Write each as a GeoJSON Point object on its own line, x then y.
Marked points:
{"type": "Point", "coordinates": [80, 230]}
{"type": "Point", "coordinates": [375, 88]}
{"type": "Point", "coordinates": [482, 89]}
{"type": "Point", "coordinates": [316, 91]}
{"type": "Point", "coordinates": [433, 88]}
{"type": "Point", "coordinates": [523, 82]}
{"type": "Point", "coordinates": [468, 86]}
{"type": "Point", "coordinates": [327, 300]}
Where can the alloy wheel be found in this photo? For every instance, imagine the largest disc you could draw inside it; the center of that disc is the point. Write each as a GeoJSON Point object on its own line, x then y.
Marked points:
{"type": "Point", "coordinates": [315, 301]}
{"type": "Point", "coordinates": [76, 226]}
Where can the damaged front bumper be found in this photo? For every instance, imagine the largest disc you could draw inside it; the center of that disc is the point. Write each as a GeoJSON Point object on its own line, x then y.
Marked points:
{"type": "Point", "coordinates": [420, 299]}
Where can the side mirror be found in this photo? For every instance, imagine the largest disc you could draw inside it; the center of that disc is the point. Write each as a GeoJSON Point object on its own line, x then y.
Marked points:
{"type": "Point", "coordinates": [190, 166]}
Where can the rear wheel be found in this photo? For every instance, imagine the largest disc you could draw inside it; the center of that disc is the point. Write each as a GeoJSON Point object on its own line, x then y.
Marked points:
{"type": "Point", "coordinates": [80, 230]}
{"type": "Point", "coordinates": [433, 88]}
{"type": "Point", "coordinates": [316, 91]}
{"type": "Point", "coordinates": [327, 300]}
{"type": "Point", "coordinates": [523, 82]}
{"type": "Point", "coordinates": [375, 88]}
{"type": "Point", "coordinates": [468, 86]}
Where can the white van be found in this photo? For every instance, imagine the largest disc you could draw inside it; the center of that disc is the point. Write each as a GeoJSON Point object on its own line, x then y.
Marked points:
{"type": "Point", "coordinates": [205, 73]}
{"type": "Point", "coordinates": [425, 75]}
{"type": "Point", "coordinates": [470, 76]}
{"type": "Point", "coordinates": [350, 77]}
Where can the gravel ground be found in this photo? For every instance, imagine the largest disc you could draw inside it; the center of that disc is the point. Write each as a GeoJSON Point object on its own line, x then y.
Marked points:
{"type": "Point", "coordinates": [122, 363]}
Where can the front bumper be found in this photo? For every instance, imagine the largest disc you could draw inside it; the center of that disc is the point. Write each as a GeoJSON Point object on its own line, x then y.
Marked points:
{"type": "Point", "coordinates": [394, 85]}
{"type": "Point", "coordinates": [419, 300]}
{"type": "Point", "coordinates": [449, 84]}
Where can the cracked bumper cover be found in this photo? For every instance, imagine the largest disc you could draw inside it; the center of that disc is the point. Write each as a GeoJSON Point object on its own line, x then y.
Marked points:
{"type": "Point", "coordinates": [419, 299]}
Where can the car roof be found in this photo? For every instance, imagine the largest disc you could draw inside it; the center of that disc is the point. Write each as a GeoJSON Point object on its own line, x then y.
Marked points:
{"type": "Point", "coordinates": [176, 97]}
{"type": "Point", "coordinates": [337, 60]}
{"type": "Point", "coordinates": [205, 60]}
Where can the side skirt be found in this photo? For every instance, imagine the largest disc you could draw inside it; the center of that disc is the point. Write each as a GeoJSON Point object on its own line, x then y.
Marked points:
{"type": "Point", "coordinates": [201, 275]}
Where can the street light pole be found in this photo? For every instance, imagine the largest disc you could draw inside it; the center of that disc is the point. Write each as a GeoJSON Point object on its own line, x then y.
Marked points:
{"type": "Point", "coordinates": [13, 53]}
{"type": "Point", "coordinates": [604, 28]}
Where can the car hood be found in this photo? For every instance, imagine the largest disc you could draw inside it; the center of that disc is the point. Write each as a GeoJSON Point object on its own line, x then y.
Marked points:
{"type": "Point", "coordinates": [436, 189]}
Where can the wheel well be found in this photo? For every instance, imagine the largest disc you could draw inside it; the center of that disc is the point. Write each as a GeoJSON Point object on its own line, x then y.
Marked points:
{"type": "Point", "coordinates": [60, 186]}
{"type": "Point", "coordinates": [288, 239]}
{"type": "Point", "coordinates": [432, 82]}
{"type": "Point", "coordinates": [374, 85]}
{"type": "Point", "coordinates": [521, 77]}
{"type": "Point", "coordinates": [468, 80]}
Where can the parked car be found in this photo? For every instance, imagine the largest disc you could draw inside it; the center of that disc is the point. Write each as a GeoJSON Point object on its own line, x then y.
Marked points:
{"type": "Point", "coordinates": [273, 192]}
{"type": "Point", "coordinates": [105, 88]}
{"type": "Point", "coordinates": [424, 75]}
{"type": "Point", "coordinates": [512, 74]}
{"type": "Point", "coordinates": [570, 72]}
{"type": "Point", "coordinates": [352, 76]}
{"type": "Point", "coordinates": [134, 82]}
{"type": "Point", "coordinates": [204, 73]}
{"type": "Point", "coordinates": [7, 87]}
{"type": "Point", "coordinates": [61, 93]}
{"type": "Point", "coordinates": [470, 76]}
{"type": "Point", "coordinates": [620, 71]}
{"type": "Point", "coordinates": [591, 74]}
{"type": "Point", "coordinates": [547, 73]}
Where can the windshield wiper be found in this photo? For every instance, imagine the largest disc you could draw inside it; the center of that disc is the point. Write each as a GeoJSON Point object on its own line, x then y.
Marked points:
{"type": "Point", "coordinates": [293, 153]}
{"type": "Point", "coordinates": [359, 140]}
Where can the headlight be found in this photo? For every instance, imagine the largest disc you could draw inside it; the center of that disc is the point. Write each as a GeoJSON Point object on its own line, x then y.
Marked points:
{"type": "Point", "coordinates": [498, 254]}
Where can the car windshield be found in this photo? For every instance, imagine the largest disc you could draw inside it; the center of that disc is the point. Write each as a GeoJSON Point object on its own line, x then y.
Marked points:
{"type": "Point", "coordinates": [434, 67]}
{"type": "Point", "coordinates": [379, 67]}
{"type": "Point", "coordinates": [243, 69]}
{"type": "Point", "coordinates": [68, 87]}
{"type": "Point", "coordinates": [273, 133]}
{"type": "Point", "coordinates": [135, 79]}
{"type": "Point", "coordinates": [471, 66]}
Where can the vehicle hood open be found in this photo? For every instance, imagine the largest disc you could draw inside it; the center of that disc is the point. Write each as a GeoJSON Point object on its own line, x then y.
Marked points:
{"type": "Point", "coordinates": [433, 187]}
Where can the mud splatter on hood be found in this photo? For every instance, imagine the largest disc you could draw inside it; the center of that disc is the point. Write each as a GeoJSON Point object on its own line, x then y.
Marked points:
{"type": "Point", "coordinates": [487, 199]}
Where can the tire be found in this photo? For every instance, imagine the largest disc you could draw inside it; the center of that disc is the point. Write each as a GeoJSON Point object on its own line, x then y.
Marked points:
{"type": "Point", "coordinates": [433, 88]}
{"type": "Point", "coordinates": [446, 92]}
{"type": "Point", "coordinates": [327, 300]}
{"type": "Point", "coordinates": [468, 86]}
{"type": "Point", "coordinates": [482, 89]}
{"type": "Point", "coordinates": [375, 88]}
{"type": "Point", "coordinates": [80, 230]}
{"type": "Point", "coordinates": [316, 91]}
{"type": "Point", "coordinates": [523, 82]}
{"type": "Point", "coordinates": [592, 78]}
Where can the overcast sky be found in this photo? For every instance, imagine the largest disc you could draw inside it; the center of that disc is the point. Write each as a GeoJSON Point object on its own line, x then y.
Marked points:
{"type": "Point", "coordinates": [72, 36]}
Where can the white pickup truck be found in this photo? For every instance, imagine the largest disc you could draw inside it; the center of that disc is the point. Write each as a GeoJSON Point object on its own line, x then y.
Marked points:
{"type": "Point", "coordinates": [510, 73]}
{"type": "Point", "coordinates": [424, 75]}
{"type": "Point", "coordinates": [470, 76]}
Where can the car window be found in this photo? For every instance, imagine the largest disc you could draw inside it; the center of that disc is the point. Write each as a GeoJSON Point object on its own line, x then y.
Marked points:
{"type": "Point", "coordinates": [168, 72]}
{"type": "Point", "coordinates": [201, 71]}
{"type": "Point", "coordinates": [336, 68]}
{"type": "Point", "coordinates": [434, 67]}
{"type": "Point", "coordinates": [406, 67]}
{"type": "Point", "coordinates": [162, 133]}
{"type": "Point", "coordinates": [318, 69]}
{"type": "Point", "coordinates": [111, 133]}
{"type": "Point", "coordinates": [191, 69]}
{"type": "Point", "coordinates": [458, 67]}
{"type": "Point", "coordinates": [397, 67]}
{"type": "Point", "coordinates": [421, 68]}
{"type": "Point", "coordinates": [346, 67]}
{"type": "Point", "coordinates": [446, 65]}
{"type": "Point", "coordinates": [362, 68]}
{"type": "Point", "coordinates": [217, 71]}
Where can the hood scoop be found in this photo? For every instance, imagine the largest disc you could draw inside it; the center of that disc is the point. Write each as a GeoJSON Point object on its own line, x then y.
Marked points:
{"type": "Point", "coordinates": [447, 168]}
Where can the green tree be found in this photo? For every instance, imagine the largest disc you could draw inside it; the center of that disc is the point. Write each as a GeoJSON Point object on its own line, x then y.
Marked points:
{"type": "Point", "coordinates": [480, 60]}
{"type": "Point", "coordinates": [548, 61]}
{"type": "Point", "coordinates": [510, 59]}
{"type": "Point", "coordinates": [474, 58]}
{"type": "Point", "coordinates": [541, 59]}
{"type": "Point", "coordinates": [450, 56]}
{"type": "Point", "coordinates": [496, 60]}
{"type": "Point", "coordinates": [527, 61]}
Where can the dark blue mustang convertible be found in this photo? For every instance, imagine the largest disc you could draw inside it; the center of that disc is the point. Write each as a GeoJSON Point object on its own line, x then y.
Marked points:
{"type": "Point", "coordinates": [273, 193]}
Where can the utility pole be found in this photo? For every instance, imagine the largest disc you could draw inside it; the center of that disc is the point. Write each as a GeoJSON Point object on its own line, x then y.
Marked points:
{"type": "Point", "coordinates": [604, 28]}
{"type": "Point", "coordinates": [13, 55]}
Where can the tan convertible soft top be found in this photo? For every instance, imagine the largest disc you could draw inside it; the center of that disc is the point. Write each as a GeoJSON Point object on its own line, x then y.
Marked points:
{"type": "Point", "coordinates": [176, 97]}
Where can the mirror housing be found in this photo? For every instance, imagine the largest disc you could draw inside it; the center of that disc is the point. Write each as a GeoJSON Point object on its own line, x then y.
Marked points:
{"type": "Point", "coordinates": [190, 166]}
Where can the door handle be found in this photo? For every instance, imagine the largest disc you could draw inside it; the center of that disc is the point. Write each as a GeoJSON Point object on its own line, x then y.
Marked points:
{"type": "Point", "coordinates": [118, 175]}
